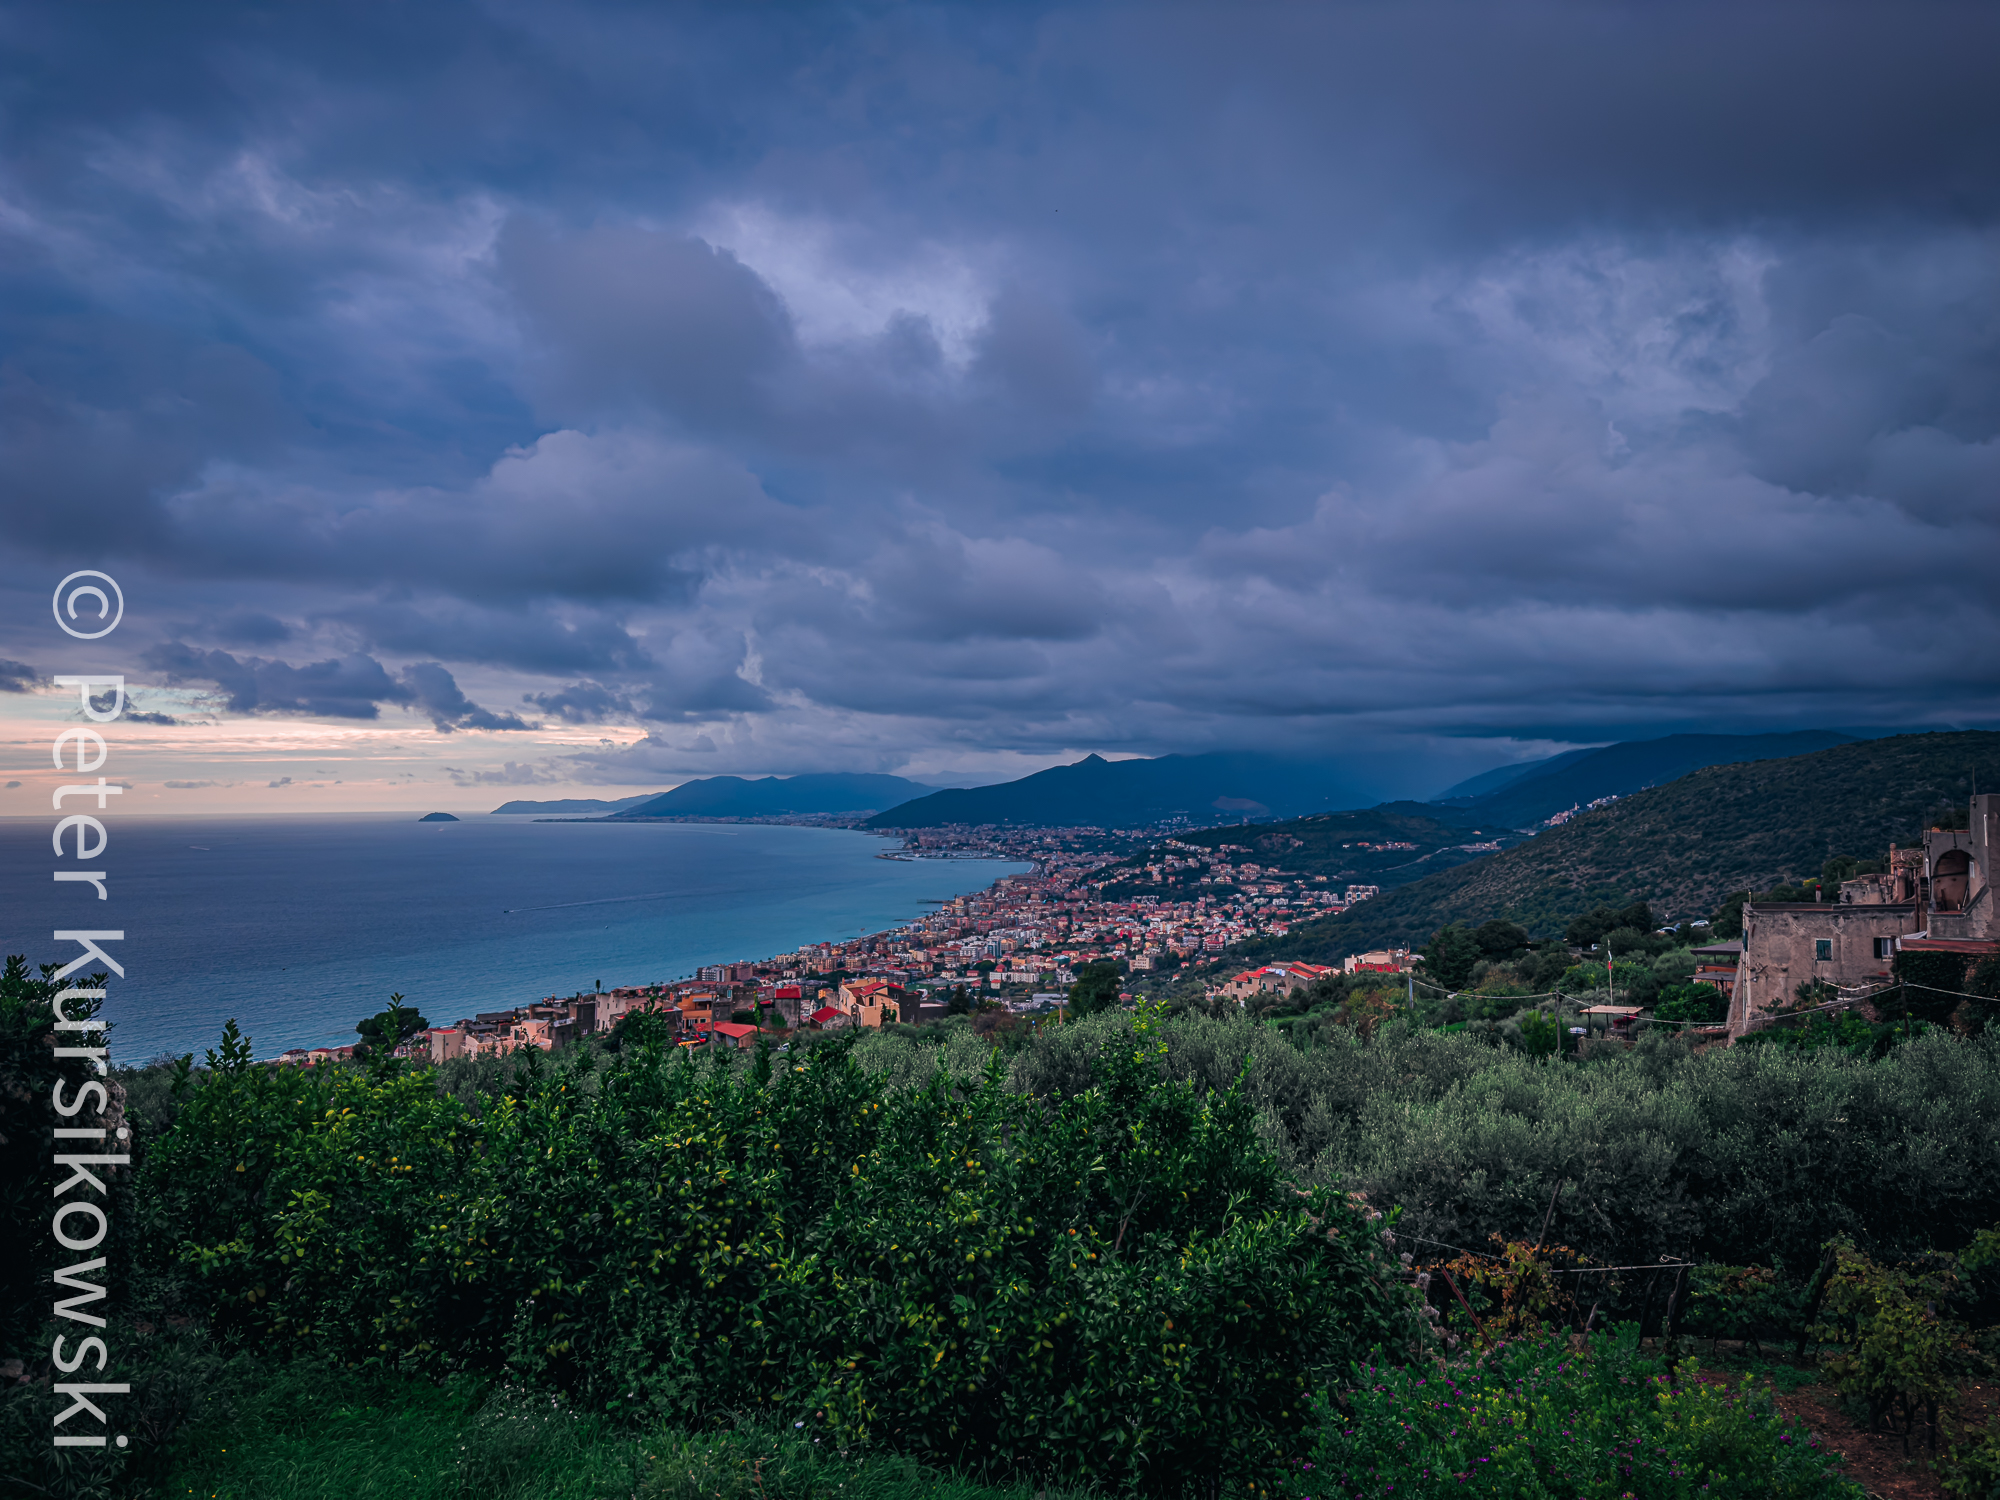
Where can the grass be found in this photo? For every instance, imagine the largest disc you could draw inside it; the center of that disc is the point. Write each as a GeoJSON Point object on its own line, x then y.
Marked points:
{"type": "Point", "coordinates": [307, 1433]}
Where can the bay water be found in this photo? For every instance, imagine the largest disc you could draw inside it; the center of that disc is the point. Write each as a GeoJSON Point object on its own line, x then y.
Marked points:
{"type": "Point", "coordinates": [297, 928]}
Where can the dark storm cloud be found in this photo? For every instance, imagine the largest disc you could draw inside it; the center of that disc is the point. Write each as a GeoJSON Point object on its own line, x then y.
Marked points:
{"type": "Point", "coordinates": [352, 687]}
{"type": "Point", "coordinates": [583, 703]}
{"type": "Point", "coordinates": [18, 677]}
{"type": "Point", "coordinates": [960, 383]}
{"type": "Point", "coordinates": [433, 692]}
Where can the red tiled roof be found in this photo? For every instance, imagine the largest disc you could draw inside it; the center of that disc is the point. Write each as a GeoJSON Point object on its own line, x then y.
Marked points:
{"type": "Point", "coordinates": [1972, 947]}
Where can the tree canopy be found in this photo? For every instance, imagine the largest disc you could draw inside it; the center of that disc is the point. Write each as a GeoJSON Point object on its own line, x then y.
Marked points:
{"type": "Point", "coordinates": [391, 1027]}
{"type": "Point", "coordinates": [1096, 988]}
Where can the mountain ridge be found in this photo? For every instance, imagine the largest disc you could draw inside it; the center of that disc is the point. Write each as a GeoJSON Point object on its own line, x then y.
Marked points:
{"type": "Point", "coordinates": [1683, 847]}
{"type": "Point", "coordinates": [1571, 780]}
{"type": "Point", "coordinates": [815, 792]}
{"type": "Point", "coordinates": [1207, 789]}
{"type": "Point", "coordinates": [572, 806]}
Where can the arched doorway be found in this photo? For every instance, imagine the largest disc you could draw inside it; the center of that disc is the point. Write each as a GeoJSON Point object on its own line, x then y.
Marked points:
{"type": "Point", "coordinates": [1951, 880]}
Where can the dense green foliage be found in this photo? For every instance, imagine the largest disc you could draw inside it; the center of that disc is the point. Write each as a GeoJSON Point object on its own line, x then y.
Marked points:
{"type": "Point", "coordinates": [1593, 926]}
{"type": "Point", "coordinates": [1694, 1004]}
{"type": "Point", "coordinates": [308, 1433]}
{"type": "Point", "coordinates": [1096, 988]}
{"type": "Point", "coordinates": [1741, 1155]}
{"type": "Point", "coordinates": [1122, 1250]}
{"type": "Point", "coordinates": [1896, 1347]}
{"type": "Point", "coordinates": [388, 1029]}
{"type": "Point", "coordinates": [1933, 984]}
{"type": "Point", "coordinates": [1118, 1283]}
{"type": "Point", "coordinates": [1450, 955]}
{"type": "Point", "coordinates": [1541, 1423]}
{"type": "Point", "coordinates": [28, 1072]}
{"type": "Point", "coordinates": [263, 1429]}
{"type": "Point", "coordinates": [1682, 847]}
{"type": "Point", "coordinates": [1619, 770]}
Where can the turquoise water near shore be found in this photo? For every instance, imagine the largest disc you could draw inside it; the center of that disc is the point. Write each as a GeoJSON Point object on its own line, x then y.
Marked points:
{"type": "Point", "coordinates": [299, 927]}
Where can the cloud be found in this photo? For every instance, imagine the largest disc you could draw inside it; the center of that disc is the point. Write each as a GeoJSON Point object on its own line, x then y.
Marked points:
{"type": "Point", "coordinates": [281, 781]}
{"type": "Point", "coordinates": [12, 784]}
{"type": "Point", "coordinates": [510, 773]}
{"type": "Point", "coordinates": [353, 687]}
{"type": "Point", "coordinates": [634, 318]}
{"type": "Point", "coordinates": [192, 786]}
{"type": "Point", "coordinates": [873, 392]}
{"type": "Point", "coordinates": [583, 703]}
{"type": "Point", "coordinates": [434, 692]}
{"type": "Point", "coordinates": [146, 716]}
{"type": "Point", "coordinates": [18, 677]}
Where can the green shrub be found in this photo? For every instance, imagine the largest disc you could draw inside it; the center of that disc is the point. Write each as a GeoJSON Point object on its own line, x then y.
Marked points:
{"type": "Point", "coordinates": [1118, 1284]}
{"type": "Point", "coordinates": [309, 1431]}
{"type": "Point", "coordinates": [1897, 1348]}
{"type": "Point", "coordinates": [1745, 1303]}
{"type": "Point", "coordinates": [1847, 1032]}
{"type": "Point", "coordinates": [1699, 1003]}
{"type": "Point", "coordinates": [28, 1071]}
{"type": "Point", "coordinates": [1971, 1468]}
{"type": "Point", "coordinates": [1932, 984]}
{"type": "Point", "coordinates": [1538, 1421]}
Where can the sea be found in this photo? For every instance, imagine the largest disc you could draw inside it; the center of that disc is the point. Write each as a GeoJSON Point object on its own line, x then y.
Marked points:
{"type": "Point", "coordinates": [296, 928]}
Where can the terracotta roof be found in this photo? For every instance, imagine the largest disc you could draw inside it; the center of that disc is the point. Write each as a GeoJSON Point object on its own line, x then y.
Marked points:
{"type": "Point", "coordinates": [1973, 947]}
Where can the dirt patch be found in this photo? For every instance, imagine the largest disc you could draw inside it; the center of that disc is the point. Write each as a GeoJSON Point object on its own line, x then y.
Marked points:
{"type": "Point", "coordinates": [1875, 1460]}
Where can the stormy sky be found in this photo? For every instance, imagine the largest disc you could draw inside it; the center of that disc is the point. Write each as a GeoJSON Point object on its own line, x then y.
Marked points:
{"type": "Point", "coordinates": [534, 395]}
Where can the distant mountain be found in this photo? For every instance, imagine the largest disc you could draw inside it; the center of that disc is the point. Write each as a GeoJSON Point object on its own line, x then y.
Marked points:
{"type": "Point", "coordinates": [437, 818]}
{"type": "Point", "coordinates": [1488, 782]}
{"type": "Point", "coordinates": [1579, 778]}
{"type": "Point", "coordinates": [1683, 847]}
{"type": "Point", "coordinates": [574, 807]}
{"type": "Point", "coordinates": [1095, 792]}
{"type": "Point", "coordinates": [777, 797]}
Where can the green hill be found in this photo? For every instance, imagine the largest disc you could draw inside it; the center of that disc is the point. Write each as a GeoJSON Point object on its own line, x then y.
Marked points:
{"type": "Point", "coordinates": [1385, 846]}
{"type": "Point", "coordinates": [1577, 780]}
{"type": "Point", "coordinates": [1684, 846]}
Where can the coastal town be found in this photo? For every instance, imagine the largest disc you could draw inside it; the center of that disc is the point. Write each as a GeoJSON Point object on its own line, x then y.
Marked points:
{"type": "Point", "coordinates": [1015, 946]}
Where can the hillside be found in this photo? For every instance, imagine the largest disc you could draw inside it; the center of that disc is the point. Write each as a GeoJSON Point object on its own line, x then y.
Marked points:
{"type": "Point", "coordinates": [777, 797]}
{"type": "Point", "coordinates": [1347, 848]}
{"type": "Point", "coordinates": [1488, 782]}
{"type": "Point", "coordinates": [1684, 846]}
{"type": "Point", "coordinates": [1095, 792]}
{"type": "Point", "coordinates": [574, 807]}
{"type": "Point", "coordinates": [1577, 780]}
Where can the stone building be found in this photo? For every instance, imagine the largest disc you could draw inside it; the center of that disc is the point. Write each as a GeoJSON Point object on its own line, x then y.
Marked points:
{"type": "Point", "coordinates": [1939, 897]}
{"type": "Point", "coordinates": [1835, 943]}
{"type": "Point", "coordinates": [1958, 864]}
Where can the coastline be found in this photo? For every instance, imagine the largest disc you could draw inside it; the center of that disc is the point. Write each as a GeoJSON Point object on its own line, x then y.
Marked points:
{"type": "Point", "coordinates": [299, 927]}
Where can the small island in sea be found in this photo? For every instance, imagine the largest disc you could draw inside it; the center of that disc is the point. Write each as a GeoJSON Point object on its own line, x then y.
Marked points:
{"type": "Point", "coordinates": [437, 818]}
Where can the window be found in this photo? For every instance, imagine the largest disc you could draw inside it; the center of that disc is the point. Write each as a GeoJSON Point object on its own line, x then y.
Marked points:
{"type": "Point", "coordinates": [1885, 947]}
{"type": "Point", "coordinates": [1822, 949]}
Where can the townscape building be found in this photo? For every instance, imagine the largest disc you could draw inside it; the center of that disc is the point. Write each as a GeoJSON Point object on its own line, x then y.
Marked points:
{"type": "Point", "coordinates": [1933, 898]}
